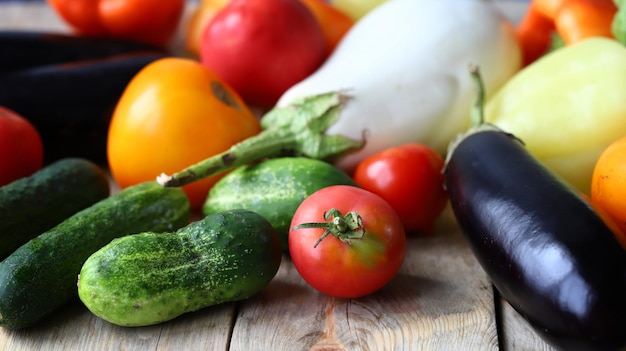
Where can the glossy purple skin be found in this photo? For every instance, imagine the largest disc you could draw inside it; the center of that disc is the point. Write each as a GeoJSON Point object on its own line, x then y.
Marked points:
{"type": "Point", "coordinates": [545, 250]}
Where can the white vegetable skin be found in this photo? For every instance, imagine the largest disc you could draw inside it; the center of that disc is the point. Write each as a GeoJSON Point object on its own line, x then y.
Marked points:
{"type": "Point", "coordinates": [405, 66]}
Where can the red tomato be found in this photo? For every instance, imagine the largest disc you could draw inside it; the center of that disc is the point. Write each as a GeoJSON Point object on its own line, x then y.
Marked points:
{"type": "Point", "coordinates": [263, 47]}
{"type": "Point", "coordinates": [21, 148]}
{"type": "Point", "coordinates": [409, 178]}
{"type": "Point", "coordinates": [354, 261]}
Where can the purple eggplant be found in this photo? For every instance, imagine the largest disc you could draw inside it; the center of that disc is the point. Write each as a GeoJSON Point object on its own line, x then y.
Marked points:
{"type": "Point", "coordinates": [544, 247]}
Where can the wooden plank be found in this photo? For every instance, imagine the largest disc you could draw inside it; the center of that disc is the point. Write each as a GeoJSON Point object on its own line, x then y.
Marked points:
{"type": "Point", "coordinates": [440, 300]}
{"type": "Point", "coordinates": [517, 334]}
{"type": "Point", "coordinates": [75, 328]}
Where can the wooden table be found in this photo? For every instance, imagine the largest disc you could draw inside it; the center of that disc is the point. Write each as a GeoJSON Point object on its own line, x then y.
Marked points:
{"type": "Point", "coordinates": [440, 300]}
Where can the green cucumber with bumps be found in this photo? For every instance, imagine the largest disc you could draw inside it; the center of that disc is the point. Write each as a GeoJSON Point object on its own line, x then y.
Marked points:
{"type": "Point", "coordinates": [31, 205]}
{"type": "Point", "coordinates": [40, 276]}
{"type": "Point", "coordinates": [273, 188]}
{"type": "Point", "coordinates": [149, 278]}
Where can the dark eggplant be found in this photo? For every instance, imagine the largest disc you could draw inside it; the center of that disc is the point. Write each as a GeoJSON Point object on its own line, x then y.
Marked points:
{"type": "Point", "coordinates": [26, 49]}
{"type": "Point", "coordinates": [71, 104]}
{"type": "Point", "coordinates": [546, 250]}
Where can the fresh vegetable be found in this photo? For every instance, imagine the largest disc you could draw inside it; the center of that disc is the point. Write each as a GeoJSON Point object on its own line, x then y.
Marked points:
{"type": "Point", "coordinates": [578, 91]}
{"type": "Point", "coordinates": [147, 21]}
{"type": "Point", "coordinates": [346, 242]}
{"type": "Point", "coordinates": [149, 278]}
{"type": "Point", "coordinates": [173, 113]}
{"type": "Point", "coordinates": [535, 33]}
{"type": "Point", "coordinates": [374, 93]}
{"type": "Point", "coordinates": [549, 254]}
{"type": "Point", "coordinates": [356, 8]}
{"type": "Point", "coordinates": [409, 178]}
{"type": "Point", "coordinates": [334, 22]}
{"type": "Point", "coordinates": [262, 47]}
{"type": "Point", "coordinates": [71, 103]}
{"type": "Point", "coordinates": [31, 205]}
{"type": "Point", "coordinates": [21, 148]}
{"type": "Point", "coordinates": [422, 62]}
{"type": "Point", "coordinates": [572, 20]}
{"type": "Point", "coordinates": [28, 49]}
{"type": "Point", "coordinates": [274, 189]}
{"type": "Point", "coordinates": [608, 183]}
{"type": "Point", "coordinates": [40, 276]}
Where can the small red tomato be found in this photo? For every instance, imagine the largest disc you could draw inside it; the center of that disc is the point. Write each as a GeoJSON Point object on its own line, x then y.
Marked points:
{"type": "Point", "coordinates": [21, 148]}
{"type": "Point", "coordinates": [409, 178]}
{"type": "Point", "coordinates": [346, 242]}
{"type": "Point", "coordinates": [262, 47]}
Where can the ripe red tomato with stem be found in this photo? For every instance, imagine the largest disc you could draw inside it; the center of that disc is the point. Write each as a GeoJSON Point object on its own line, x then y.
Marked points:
{"type": "Point", "coordinates": [262, 47]}
{"type": "Point", "coordinates": [21, 147]}
{"type": "Point", "coordinates": [346, 242]}
{"type": "Point", "coordinates": [409, 178]}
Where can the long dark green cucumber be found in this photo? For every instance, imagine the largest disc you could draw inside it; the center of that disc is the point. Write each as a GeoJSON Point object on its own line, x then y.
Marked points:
{"type": "Point", "coordinates": [31, 205]}
{"type": "Point", "coordinates": [41, 275]}
{"type": "Point", "coordinates": [150, 278]}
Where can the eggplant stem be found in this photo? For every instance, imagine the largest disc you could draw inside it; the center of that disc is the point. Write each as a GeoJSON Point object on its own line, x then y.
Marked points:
{"type": "Point", "coordinates": [477, 113]}
{"type": "Point", "coordinates": [345, 228]}
{"type": "Point", "coordinates": [294, 130]}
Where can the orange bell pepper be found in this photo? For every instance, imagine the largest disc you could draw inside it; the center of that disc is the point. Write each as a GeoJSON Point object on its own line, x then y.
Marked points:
{"type": "Point", "coordinates": [149, 21]}
{"type": "Point", "coordinates": [572, 20]}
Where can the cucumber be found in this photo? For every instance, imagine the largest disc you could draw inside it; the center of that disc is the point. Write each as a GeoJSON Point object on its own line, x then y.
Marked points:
{"type": "Point", "coordinates": [40, 275]}
{"type": "Point", "coordinates": [149, 278]}
{"type": "Point", "coordinates": [31, 205]}
{"type": "Point", "coordinates": [274, 189]}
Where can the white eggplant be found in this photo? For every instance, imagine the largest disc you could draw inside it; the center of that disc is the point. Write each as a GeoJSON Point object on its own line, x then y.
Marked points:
{"type": "Point", "coordinates": [399, 75]}
{"type": "Point", "coordinates": [405, 66]}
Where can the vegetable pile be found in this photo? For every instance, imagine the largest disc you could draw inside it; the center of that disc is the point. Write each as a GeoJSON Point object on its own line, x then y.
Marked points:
{"type": "Point", "coordinates": [324, 134]}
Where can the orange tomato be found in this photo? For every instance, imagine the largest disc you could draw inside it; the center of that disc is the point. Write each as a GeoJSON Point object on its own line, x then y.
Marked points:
{"type": "Point", "coordinates": [608, 185]}
{"type": "Point", "coordinates": [175, 112]}
{"type": "Point", "coordinates": [334, 22]}
{"type": "Point", "coordinates": [149, 21]}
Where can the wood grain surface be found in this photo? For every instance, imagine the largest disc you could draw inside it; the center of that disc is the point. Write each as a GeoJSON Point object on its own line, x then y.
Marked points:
{"type": "Point", "coordinates": [440, 300]}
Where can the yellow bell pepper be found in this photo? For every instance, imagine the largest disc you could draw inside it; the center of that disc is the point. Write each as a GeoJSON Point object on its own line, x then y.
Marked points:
{"type": "Point", "coordinates": [567, 107]}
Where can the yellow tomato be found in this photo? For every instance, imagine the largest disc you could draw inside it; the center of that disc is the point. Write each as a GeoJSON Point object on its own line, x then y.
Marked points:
{"type": "Point", "coordinates": [608, 185]}
{"type": "Point", "coordinates": [174, 113]}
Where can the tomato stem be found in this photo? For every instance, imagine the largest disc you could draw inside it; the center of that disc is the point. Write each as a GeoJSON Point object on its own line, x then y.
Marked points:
{"type": "Point", "coordinates": [344, 228]}
{"type": "Point", "coordinates": [295, 130]}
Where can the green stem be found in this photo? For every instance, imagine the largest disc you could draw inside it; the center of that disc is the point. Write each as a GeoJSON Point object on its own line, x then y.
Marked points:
{"type": "Point", "coordinates": [296, 130]}
{"type": "Point", "coordinates": [477, 113]}
{"type": "Point", "coordinates": [345, 228]}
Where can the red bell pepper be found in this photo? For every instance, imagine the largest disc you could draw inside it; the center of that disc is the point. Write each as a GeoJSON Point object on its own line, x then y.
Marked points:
{"type": "Point", "coordinates": [148, 21]}
{"type": "Point", "coordinates": [572, 20]}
